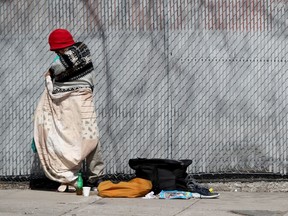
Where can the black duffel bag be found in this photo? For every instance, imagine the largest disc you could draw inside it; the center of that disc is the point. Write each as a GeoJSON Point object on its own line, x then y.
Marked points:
{"type": "Point", "coordinates": [165, 174]}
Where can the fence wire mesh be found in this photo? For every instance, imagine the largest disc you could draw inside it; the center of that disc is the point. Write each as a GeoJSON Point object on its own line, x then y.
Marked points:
{"type": "Point", "coordinates": [183, 79]}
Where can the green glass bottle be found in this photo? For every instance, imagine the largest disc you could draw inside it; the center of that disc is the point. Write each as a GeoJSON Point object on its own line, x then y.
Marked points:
{"type": "Point", "coordinates": [79, 188]}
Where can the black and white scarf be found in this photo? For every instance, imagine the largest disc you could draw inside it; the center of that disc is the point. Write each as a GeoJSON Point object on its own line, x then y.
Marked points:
{"type": "Point", "coordinates": [76, 63]}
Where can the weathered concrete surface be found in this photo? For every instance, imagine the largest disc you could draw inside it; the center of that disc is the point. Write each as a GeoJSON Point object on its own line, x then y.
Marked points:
{"type": "Point", "coordinates": [258, 186]}
{"type": "Point", "coordinates": [44, 203]}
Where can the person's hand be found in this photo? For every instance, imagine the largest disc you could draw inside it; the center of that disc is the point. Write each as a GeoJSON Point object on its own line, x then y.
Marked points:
{"type": "Point", "coordinates": [48, 73]}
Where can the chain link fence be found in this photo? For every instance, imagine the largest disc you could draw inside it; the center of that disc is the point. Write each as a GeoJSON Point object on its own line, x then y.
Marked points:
{"type": "Point", "coordinates": [184, 79]}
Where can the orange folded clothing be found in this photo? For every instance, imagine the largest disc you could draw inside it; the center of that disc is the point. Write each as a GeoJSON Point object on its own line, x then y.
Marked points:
{"type": "Point", "coordinates": [136, 187]}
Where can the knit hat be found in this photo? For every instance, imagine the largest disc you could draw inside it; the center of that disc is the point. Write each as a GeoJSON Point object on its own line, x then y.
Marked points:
{"type": "Point", "coordinates": [59, 39]}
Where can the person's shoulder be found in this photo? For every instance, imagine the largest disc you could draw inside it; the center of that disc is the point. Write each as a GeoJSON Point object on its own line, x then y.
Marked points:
{"type": "Point", "coordinates": [81, 46]}
{"type": "Point", "coordinates": [79, 43]}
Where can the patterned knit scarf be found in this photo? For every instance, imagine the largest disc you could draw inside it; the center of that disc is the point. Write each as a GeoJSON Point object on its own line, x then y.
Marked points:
{"type": "Point", "coordinates": [76, 63]}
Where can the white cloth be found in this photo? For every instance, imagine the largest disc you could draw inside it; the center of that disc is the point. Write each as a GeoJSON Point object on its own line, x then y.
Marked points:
{"type": "Point", "coordinates": [65, 131]}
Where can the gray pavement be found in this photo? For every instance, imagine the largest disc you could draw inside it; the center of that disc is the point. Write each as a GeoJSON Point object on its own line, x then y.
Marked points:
{"type": "Point", "coordinates": [33, 202]}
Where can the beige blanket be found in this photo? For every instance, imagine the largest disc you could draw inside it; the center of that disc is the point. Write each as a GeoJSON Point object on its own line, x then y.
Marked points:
{"type": "Point", "coordinates": [65, 131]}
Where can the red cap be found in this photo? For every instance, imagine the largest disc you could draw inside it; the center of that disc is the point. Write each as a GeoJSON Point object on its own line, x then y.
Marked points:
{"type": "Point", "coordinates": [59, 39]}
